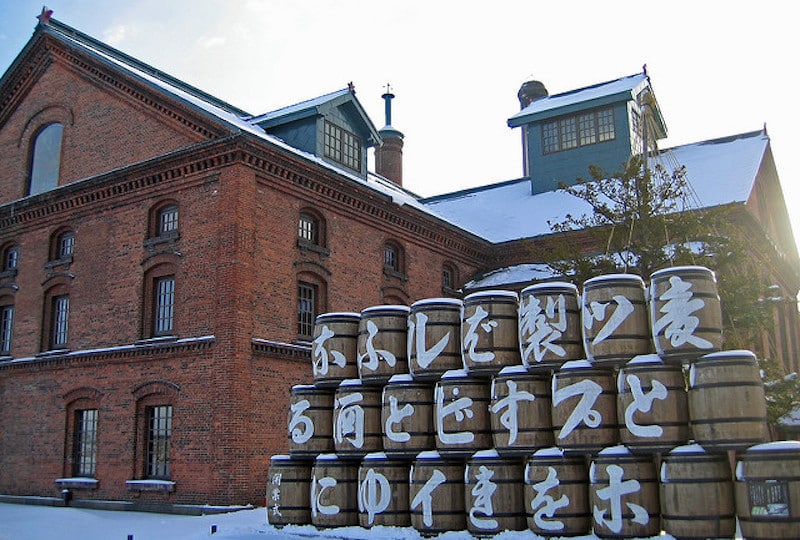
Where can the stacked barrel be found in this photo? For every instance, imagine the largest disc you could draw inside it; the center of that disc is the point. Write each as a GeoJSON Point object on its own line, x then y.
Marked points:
{"type": "Point", "coordinates": [548, 410]}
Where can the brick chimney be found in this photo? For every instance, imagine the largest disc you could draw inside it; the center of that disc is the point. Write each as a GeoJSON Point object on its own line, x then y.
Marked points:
{"type": "Point", "coordinates": [389, 156]}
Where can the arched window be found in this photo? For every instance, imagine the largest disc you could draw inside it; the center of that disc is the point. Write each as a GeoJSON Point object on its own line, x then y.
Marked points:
{"type": "Point", "coordinates": [6, 324]}
{"type": "Point", "coordinates": [56, 317]}
{"type": "Point", "coordinates": [167, 218]}
{"type": "Point", "coordinates": [448, 277]}
{"type": "Point", "coordinates": [393, 259]}
{"type": "Point", "coordinates": [62, 245]}
{"type": "Point", "coordinates": [10, 261]}
{"type": "Point", "coordinates": [311, 301]}
{"type": "Point", "coordinates": [45, 159]}
{"type": "Point", "coordinates": [159, 301]}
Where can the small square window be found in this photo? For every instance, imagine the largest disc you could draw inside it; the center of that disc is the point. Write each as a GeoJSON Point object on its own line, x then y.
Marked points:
{"type": "Point", "coordinates": [308, 229]}
{"type": "Point", "coordinates": [10, 258]}
{"type": "Point", "coordinates": [65, 245]}
{"type": "Point", "coordinates": [168, 220]}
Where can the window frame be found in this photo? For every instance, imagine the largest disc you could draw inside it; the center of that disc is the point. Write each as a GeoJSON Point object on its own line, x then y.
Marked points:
{"type": "Point", "coordinates": [307, 317]}
{"type": "Point", "coordinates": [10, 262]}
{"type": "Point", "coordinates": [163, 314]}
{"type": "Point", "coordinates": [585, 128]}
{"type": "Point", "coordinates": [167, 220]}
{"type": "Point", "coordinates": [6, 328]}
{"type": "Point", "coordinates": [157, 462]}
{"type": "Point", "coordinates": [342, 146]}
{"type": "Point", "coordinates": [38, 161]}
{"type": "Point", "coordinates": [84, 442]}
{"type": "Point", "coordinates": [59, 321]}
{"type": "Point", "coordinates": [308, 229]}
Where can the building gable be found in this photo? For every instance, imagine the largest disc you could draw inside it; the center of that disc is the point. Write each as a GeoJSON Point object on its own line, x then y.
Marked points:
{"type": "Point", "coordinates": [108, 117]}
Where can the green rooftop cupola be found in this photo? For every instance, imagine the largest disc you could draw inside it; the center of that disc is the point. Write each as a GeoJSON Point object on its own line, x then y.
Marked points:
{"type": "Point", "coordinates": [602, 125]}
{"type": "Point", "coordinates": [389, 155]}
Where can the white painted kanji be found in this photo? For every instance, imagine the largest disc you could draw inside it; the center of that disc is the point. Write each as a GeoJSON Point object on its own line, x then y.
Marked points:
{"type": "Point", "coordinates": [545, 506]}
{"type": "Point", "coordinates": [677, 321]}
{"type": "Point", "coordinates": [596, 311]}
{"type": "Point", "coordinates": [538, 327]}
{"type": "Point", "coordinates": [424, 496]}
{"type": "Point", "coordinates": [643, 402]}
{"type": "Point", "coordinates": [583, 412]}
{"type": "Point", "coordinates": [321, 362]}
{"type": "Point", "coordinates": [416, 340]}
{"type": "Point", "coordinates": [460, 408]}
{"type": "Point", "coordinates": [349, 423]}
{"type": "Point", "coordinates": [396, 416]}
{"type": "Point", "coordinates": [613, 493]}
{"type": "Point", "coordinates": [373, 357]}
{"type": "Point", "coordinates": [374, 495]}
{"type": "Point", "coordinates": [510, 405]}
{"type": "Point", "coordinates": [471, 337]}
{"type": "Point", "coordinates": [482, 493]}
{"type": "Point", "coordinates": [301, 427]}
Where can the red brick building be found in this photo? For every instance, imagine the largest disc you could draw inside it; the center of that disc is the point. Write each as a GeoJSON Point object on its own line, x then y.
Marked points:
{"type": "Point", "coordinates": [164, 256]}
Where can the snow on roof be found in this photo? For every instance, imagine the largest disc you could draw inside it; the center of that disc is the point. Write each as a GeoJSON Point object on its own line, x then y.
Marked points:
{"type": "Point", "coordinates": [632, 84]}
{"type": "Point", "coordinates": [519, 273]}
{"type": "Point", "coordinates": [720, 171]}
{"type": "Point", "coordinates": [306, 105]}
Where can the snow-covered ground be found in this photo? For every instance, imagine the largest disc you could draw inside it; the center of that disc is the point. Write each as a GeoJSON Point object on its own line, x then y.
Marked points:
{"type": "Point", "coordinates": [26, 522]}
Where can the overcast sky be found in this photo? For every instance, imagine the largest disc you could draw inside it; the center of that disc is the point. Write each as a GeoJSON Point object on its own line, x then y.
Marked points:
{"type": "Point", "coordinates": [718, 68]}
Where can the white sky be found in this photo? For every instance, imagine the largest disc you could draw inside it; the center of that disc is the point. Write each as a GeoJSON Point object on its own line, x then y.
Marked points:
{"type": "Point", "coordinates": [717, 68]}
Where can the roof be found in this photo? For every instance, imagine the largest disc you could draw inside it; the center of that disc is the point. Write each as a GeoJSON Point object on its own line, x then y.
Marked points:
{"type": "Point", "coordinates": [720, 171]}
{"type": "Point", "coordinates": [316, 106]}
{"type": "Point", "coordinates": [235, 119]}
{"type": "Point", "coordinates": [624, 87]}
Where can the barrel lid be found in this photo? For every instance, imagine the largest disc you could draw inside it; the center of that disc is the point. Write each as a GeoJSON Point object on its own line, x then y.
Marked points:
{"type": "Point", "coordinates": [486, 454]}
{"type": "Point", "coordinates": [280, 457]}
{"type": "Point", "coordinates": [401, 378]}
{"type": "Point", "coordinates": [614, 277]}
{"type": "Point", "coordinates": [400, 310]}
{"type": "Point", "coordinates": [327, 457]}
{"type": "Point", "coordinates": [551, 452]}
{"type": "Point", "coordinates": [618, 450]}
{"type": "Point", "coordinates": [677, 269]}
{"type": "Point", "coordinates": [643, 359]}
{"type": "Point", "coordinates": [497, 292]}
{"type": "Point", "coordinates": [428, 454]}
{"type": "Point", "coordinates": [693, 448]}
{"type": "Point", "coordinates": [551, 285]}
{"type": "Point", "coordinates": [775, 446]}
{"type": "Point", "coordinates": [338, 315]}
{"type": "Point", "coordinates": [375, 455]}
{"type": "Point", "coordinates": [303, 387]}
{"type": "Point", "coordinates": [455, 374]}
{"type": "Point", "coordinates": [449, 301]}
{"type": "Point", "coordinates": [350, 382]}
{"type": "Point", "coordinates": [725, 354]}
{"type": "Point", "coordinates": [514, 370]}
{"type": "Point", "coordinates": [576, 364]}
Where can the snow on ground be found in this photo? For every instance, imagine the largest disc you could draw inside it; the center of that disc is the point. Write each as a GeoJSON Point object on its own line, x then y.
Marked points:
{"type": "Point", "coordinates": [30, 522]}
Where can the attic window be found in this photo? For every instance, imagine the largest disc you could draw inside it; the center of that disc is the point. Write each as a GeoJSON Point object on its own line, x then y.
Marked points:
{"type": "Point", "coordinates": [342, 146]}
{"type": "Point", "coordinates": [588, 127]}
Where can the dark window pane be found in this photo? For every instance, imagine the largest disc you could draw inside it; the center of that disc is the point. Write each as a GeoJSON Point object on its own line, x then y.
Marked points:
{"type": "Point", "coordinates": [46, 159]}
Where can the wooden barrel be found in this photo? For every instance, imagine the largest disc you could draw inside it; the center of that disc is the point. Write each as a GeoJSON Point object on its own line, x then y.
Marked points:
{"type": "Point", "coordinates": [685, 313]}
{"type": "Point", "coordinates": [652, 405]}
{"type": "Point", "coordinates": [333, 350]}
{"type": "Point", "coordinates": [623, 491]}
{"type": "Point", "coordinates": [407, 417]}
{"type": "Point", "coordinates": [767, 491]}
{"type": "Point", "coordinates": [383, 491]}
{"type": "Point", "coordinates": [461, 414]}
{"type": "Point", "coordinates": [288, 489]}
{"type": "Point", "coordinates": [519, 411]}
{"type": "Point", "coordinates": [615, 321]}
{"type": "Point", "coordinates": [382, 343]}
{"type": "Point", "coordinates": [310, 421]}
{"type": "Point", "coordinates": [489, 332]}
{"type": "Point", "coordinates": [357, 419]}
{"type": "Point", "coordinates": [697, 494]}
{"type": "Point", "coordinates": [436, 494]}
{"type": "Point", "coordinates": [434, 337]}
{"type": "Point", "coordinates": [584, 412]}
{"type": "Point", "coordinates": [550, 326]}
{"type": "Point", "coordinates": [334, 492]}
{"type": "Point", "coordinates": [727, 406]}
{"type": "Point", "coordinates": [494, 494]}
{"type": "Point", "coordinates": [557, 494]}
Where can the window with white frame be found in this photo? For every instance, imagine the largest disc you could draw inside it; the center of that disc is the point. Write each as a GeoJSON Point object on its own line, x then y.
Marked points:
{"type": "Point", "coordinates": [572, 131]}
{"type": "Point", "coordinates": [84, 448]}
{"type": "Point", "coordinates": [159, 432]}
{"type": "Point", "coordinates": [342, 146]}
{"type": "Point", "coordinates": [59, 328]}
{"type": "Point", "coordinates": [163, 305]}
{"type": "Point", "coordinates": [6, 328]}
